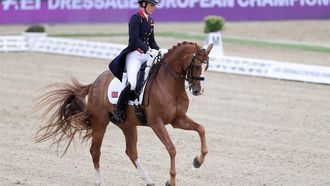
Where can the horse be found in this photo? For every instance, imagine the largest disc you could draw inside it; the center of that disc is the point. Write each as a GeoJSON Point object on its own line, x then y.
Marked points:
{"type": "Point", "coordinates": [165, 102]}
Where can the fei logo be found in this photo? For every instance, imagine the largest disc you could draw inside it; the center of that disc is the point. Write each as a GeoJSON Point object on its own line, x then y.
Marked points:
{"type": "Point", "coordinates": [21, 5]}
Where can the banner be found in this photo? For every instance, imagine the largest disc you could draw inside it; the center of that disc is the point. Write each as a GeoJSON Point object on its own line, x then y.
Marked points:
{"type": "Point", "coordinates": [104, 11]}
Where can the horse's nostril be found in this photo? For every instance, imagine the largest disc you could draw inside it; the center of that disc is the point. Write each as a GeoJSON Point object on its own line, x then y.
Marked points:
{"type": "Point", "coordinates": [195, 92]}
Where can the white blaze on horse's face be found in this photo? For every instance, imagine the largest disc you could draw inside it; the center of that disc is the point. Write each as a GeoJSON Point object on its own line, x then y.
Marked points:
{"type": "Point", "coordinates": [204, 65]}
{"type": "Point", "coordinates": [198, 67]}
{"type": "Point", "coordinates": [197, 74]}
{"type": "Point", "coordinates": [198, 88]}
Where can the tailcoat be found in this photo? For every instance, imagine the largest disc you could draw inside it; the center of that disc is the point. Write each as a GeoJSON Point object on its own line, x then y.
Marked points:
{"type": "Point", "coordinates": [141, 38]}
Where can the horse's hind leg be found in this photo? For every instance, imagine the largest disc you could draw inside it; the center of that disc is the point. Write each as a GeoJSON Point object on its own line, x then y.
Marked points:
{"type": "Point", "coordinates": [130, 133]}
{"type": "Point", "coordinates": [188, 124]}
{"type": "Point", "coordinates": [99, 123]}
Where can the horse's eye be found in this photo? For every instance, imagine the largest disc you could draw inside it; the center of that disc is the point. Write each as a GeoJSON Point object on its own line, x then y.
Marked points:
{"type": "Point", "coordinates": [198, 67]}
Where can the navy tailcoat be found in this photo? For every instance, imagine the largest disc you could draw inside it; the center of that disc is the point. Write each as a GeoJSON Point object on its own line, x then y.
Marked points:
{"type": "Point", "coordinates": [141, 37]}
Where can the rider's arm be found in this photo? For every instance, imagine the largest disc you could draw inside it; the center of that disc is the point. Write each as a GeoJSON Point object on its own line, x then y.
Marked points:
{"type": "Point", "coordinates": [134, 29]}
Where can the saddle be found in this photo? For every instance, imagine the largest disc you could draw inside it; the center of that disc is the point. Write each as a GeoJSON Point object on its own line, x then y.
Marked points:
{"type": "Point", "coordinates": [135, 99]}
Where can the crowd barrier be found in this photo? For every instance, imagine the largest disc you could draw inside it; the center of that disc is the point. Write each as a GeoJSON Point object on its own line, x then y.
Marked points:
{"type": "Point", "coordinates": [13, 43]}
{"type": "Point", "coordinates": [226, 64]}
{"type": "Point", "coordinates": [271, 69]}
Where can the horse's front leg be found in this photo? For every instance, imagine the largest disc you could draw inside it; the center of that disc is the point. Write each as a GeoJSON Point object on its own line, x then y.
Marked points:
{"type": "Point", "coordinates": [188, 124]}
{"type": "Point", "coordinates": [161, 132]}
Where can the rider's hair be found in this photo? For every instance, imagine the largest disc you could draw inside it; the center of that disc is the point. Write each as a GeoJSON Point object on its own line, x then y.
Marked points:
{"type": "Point", "coordinates": [140, 2]}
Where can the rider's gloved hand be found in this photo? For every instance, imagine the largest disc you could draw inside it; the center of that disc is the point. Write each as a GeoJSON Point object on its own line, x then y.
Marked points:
{"type": "Point", "coordinates": [152, 52]}
{"type": "Point", "coordinates": [163, 51]}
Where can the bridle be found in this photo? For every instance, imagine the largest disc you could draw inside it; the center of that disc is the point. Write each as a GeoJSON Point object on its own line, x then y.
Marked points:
{"type": "Point", "coordinates": [186, 76]}
{"type": "Point", "coordinates": [188, 72]}
{"type": "Point", "coordinates": [190, 69]}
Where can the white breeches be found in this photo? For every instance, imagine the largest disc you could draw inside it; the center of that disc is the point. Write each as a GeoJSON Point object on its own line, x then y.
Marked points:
{"type": "Point", "coordinates": [134, 60]}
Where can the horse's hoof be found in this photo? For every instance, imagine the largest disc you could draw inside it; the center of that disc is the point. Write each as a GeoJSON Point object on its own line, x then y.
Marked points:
{"type": "Point", "coordinates": [167, 183]}
{"type": "Point", "coordinates": [196, 163]}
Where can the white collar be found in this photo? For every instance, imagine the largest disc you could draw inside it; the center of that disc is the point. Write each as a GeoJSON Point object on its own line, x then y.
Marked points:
{"type": "Point", "coordinates": [146, 15]}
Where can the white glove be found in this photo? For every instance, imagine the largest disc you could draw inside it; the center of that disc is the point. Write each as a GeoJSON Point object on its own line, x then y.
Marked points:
{"type": "Point", "coordinates": [163, 51]}
{"type": "Point", "coordinates": [152, 52]}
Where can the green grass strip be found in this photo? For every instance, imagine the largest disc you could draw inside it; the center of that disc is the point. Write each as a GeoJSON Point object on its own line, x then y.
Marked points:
{"type": "Point", "coordinates": [201, 37]}
{"type": "Point", "coordinates": [250, 42]}
{"type": "Point", "coordinates": [88, 35]}
{"type": "Point", "coordinates": [182, 36]}
{"type": "Point", "coordinates": [261, 43]}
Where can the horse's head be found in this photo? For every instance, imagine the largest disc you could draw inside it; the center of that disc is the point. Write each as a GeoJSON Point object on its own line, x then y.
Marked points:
{"type": "Point", "coordinates": [188, 61]}
{"type": "Point", "coordinates": [195, 65]}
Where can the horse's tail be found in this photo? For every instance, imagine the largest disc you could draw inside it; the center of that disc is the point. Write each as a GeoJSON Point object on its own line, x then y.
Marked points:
{"type": "Point", "coordinates": [65, 105]}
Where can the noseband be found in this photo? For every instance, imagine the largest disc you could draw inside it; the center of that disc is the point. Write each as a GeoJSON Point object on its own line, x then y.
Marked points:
{"type": "Point", "coordinates": [188, 73]}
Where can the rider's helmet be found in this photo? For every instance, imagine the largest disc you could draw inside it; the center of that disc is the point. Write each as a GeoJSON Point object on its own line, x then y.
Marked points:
{"type": "Point", "coordinates": [154, 2]}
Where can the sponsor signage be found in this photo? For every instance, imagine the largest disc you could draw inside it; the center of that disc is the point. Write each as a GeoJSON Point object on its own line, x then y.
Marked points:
{"type": "Point", "coordinates": [300, 72]}
{"type": "Point", "coordinates": [102, 11]}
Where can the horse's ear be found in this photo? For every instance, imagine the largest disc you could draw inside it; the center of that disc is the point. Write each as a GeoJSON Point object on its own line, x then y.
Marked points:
{"type": "Point", "coordinates": [209, 48]}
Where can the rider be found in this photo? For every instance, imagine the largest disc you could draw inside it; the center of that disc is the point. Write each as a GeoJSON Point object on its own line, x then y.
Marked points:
{"type": "Point", "coordinates": [141, 45]}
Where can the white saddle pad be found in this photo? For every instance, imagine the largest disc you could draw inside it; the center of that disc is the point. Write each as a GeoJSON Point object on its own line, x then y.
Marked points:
{"type": "Point", "coordinates": [115, 88]}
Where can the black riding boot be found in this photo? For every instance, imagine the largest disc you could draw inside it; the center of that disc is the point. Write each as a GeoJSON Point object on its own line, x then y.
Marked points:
{"type": "Point", "coordinates": [120, 111]}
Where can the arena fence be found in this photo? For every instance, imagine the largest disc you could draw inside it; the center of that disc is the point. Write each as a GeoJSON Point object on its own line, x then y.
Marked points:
{"type": "Point", "coordinates": [13, 43]}
{"type": "Point", "coordinates": [226, 64]}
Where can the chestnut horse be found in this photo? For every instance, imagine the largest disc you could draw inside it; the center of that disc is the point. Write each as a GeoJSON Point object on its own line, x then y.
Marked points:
{"type": "Point", "coordinates": [165, 102]}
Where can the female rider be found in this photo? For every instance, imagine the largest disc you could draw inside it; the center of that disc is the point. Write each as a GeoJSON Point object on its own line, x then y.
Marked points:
{"type": "Point", "coordinates": [141, 43]}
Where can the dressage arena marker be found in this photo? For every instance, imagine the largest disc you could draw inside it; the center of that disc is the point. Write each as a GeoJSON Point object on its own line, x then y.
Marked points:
{"type": "Point", "coordinates": [226, 64]}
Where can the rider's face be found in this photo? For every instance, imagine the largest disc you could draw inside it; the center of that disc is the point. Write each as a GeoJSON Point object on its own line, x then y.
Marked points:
{"type": "Point", "coordinates": [150, 8]}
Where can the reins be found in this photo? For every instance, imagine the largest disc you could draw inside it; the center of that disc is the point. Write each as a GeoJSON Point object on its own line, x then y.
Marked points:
{"type": "Point", "coordinates": [188, 72]}
{"type": "Point", "coordinates": [172, 71]}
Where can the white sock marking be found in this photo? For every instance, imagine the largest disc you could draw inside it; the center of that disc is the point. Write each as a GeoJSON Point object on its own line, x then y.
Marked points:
{"type": "Point", "coordinates": [142, 172]}
{"type": "Point", "coordinates": [98, 177]}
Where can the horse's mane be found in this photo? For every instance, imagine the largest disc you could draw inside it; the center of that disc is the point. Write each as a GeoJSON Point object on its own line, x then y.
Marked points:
{"type": "Point", "coordinates": [176, 46]}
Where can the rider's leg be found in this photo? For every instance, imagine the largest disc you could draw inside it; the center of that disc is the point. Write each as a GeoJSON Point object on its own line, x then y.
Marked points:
{"type": "Point", "coordinates": [134, 61]}
{"type": "Point", "coordinates": [120, 111]}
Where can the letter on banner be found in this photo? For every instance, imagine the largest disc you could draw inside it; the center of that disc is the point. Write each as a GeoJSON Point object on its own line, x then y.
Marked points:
{"type": "Point", "coordinates": [53, 4]}
{"type": "Point", "coordinates": [99, 4]}
{"type": "Point", "coordinates": [215, 38]}
{"type": "Point", "coordinates": [192, 3]}
{"type": "Point", "coordinates": [77, 4]}
{"type": "Point", "coordinates": [10, 3]}
{"type": "Point", "coordinates": [30, 4]}
{"type": "Point", "coordinates": [87, 5]}
{"type": "Point", "coordinates": [183, 3]}
{"type": "Point", "coordinates": [243, 3]}
{"type": "Point", "coordinates": [66, 4]}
